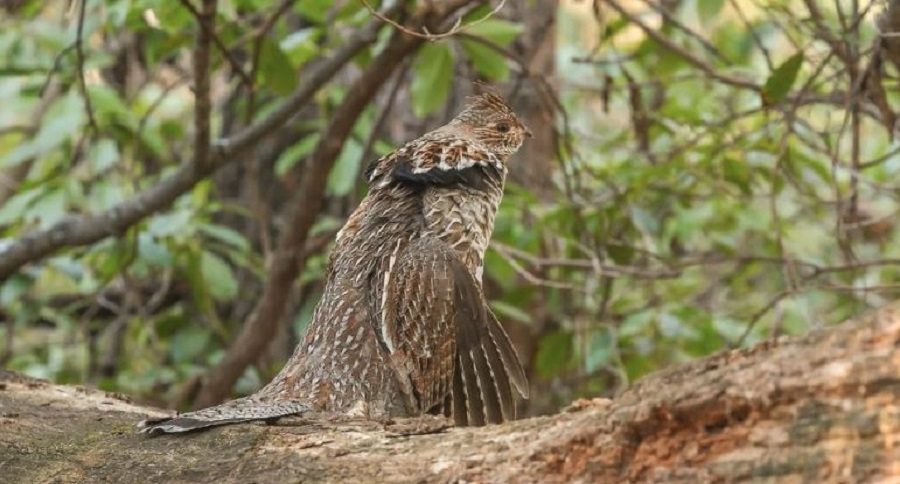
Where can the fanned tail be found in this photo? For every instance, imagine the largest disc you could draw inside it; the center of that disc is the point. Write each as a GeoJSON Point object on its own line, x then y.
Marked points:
{"type": "Point", "coordinates": [240, 410]}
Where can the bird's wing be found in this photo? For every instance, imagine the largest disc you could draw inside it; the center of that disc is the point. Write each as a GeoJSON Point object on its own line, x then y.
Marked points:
{"type": "Point", "coordinates": [443, 339]}
{"type": "Point", "coordinates": [436, 161]}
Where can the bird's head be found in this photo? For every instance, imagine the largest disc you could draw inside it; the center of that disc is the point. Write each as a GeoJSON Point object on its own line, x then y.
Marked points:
{"type": "Point", "coordinates": [492, 123]}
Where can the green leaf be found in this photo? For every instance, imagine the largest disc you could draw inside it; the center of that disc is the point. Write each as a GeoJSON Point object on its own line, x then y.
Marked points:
{"type": "Point", "coordinates": [509, 311]}
{"type": "Point", "coordinates": [315, 10]}
{"type": "Point", "coordinates": [620, 254]}
{"type": "Point", "coordinates": [13, 289]}
{"type": "Point", "coordinates": [343, 175]}
{"type": "Point", "coordinates": [295, 153]}
{"type": "Point", "coordinates": [644, 220]}
{"type": "Point", "coordinates": [276, 68]}
{"type": "Point", "coordinates": [53, 281]}
{"type": "Point", "coordinates": [103, 194]}
{"type": "Point", "coordinates": [670, 325]}
{"type": "Point", "coordinates": [152, 252]}
{"type": "Point", "coordinates": [188, 344]}
{"type": "Point", "coordinates": [502, 32]}
{"type": "Point", "coordinates": [708, 10]}
{"type": "Point", "coordinates": [600, 349]}
{"type": "Point", "coordinates": [103, 155]}
{"type": "Point", "coordinates": [19, 154]}
{"type": "Point", "coordinates": [738, 173]}
{"type": "Point", "coordinates": [61, 123]}
{"type": "Point", "coordinates": [735, 40]}
{"type": "Point", "coordinates": [110, 108]}
{"type": "Point", "coordinates": [171, 223]}
{"type": "Point", "coordinates": [13, 209]}
{"type": "Point", "coordinates": [301, 45]}
{"type": "Point", "coordinates": [816, 165]}
{"type": "Point", "coordinates": [48, 209]}
{"type": "Point", "coordinates": [433, 76]}
{"type": "Point", "coordinates": [782, 78]}
{"type": "Point", "coordinates": [728, 328]}
{"type": "Point", "coordinates": [636, 323]}
{"type": "Point", "coordinates": [218, 276]}
{"type": "Point", "coordinates": [227, 235]}
{"type": "Point", "coordinates": [554, 354]}
{"type": "Point", "coordinates": [486, 61]}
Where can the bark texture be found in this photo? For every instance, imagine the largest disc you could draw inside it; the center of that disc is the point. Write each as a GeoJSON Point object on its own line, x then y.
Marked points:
{"type": "Point", "coordinates": [825, 407]}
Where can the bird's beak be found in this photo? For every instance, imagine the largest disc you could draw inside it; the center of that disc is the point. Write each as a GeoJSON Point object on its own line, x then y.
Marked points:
{"type": "Point", "coordinates": [528, 133]}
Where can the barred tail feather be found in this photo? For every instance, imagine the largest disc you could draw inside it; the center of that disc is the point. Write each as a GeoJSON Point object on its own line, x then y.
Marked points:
{"type": "Point", "coordinates": [235, 411]}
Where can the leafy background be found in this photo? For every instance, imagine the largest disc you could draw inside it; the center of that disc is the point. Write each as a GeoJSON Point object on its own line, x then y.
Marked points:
{"type": "Point", "coordinates": [706, 174]}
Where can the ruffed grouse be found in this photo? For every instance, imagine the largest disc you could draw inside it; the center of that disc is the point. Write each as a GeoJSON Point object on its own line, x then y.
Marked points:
{"type": "Point", "coordinates": [403, 328]}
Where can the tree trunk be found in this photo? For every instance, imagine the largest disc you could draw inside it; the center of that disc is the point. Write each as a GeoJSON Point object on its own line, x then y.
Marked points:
{"type": "Point", "coordinates": [824, 407]}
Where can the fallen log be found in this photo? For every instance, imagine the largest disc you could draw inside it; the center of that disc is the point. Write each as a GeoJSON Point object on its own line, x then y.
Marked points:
{"type": "Point", "coordinates": [824, 407]}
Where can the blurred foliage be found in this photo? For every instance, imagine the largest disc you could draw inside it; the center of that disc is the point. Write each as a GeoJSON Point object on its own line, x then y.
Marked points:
{"type": "Point", "coordinates": [689, 214]}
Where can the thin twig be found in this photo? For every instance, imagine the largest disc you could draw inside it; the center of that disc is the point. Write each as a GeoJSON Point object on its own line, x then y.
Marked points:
{"type": "Point", "coordinates": [711, 71]}
{"type": "Point", "coordinates": [56, 63]}
{"type": "Point", "coordinates": [166, 91]}
{"type": "Point", "coordinates": [601, 269]}
{"type": "Point", "coordinates": [531, 278]}
{"type": "Point", "coordinates": [226, 52]}
{"type": "Point", "coordinates": [79, 52]}
{"type": "Point", "coordinates": [425, 34]}
{"type": "Point", "coordinates": [672, 20]}
{"type": "Point", "coordinates": [202, 103]}
{"type": "Point", "coordinates": [736, 5]}
{"type": "Point", "coordinates": [759, 315]}
{"type": "Point", "coordinates": [881, 159]}
{"type": "Point", "coordinates": [270, 20]}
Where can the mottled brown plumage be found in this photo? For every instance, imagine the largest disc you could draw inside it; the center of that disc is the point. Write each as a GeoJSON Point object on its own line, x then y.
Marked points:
{"type": "Point", "coordinates": [403, 328]}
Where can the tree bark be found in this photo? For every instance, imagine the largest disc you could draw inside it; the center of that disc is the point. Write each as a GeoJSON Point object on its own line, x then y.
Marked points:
{"type": "Point", "coordinates": [824, 407]}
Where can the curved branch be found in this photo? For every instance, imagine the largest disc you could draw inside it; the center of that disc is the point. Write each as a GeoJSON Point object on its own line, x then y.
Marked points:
{"type": "Point", "coordinates": [86, 229]}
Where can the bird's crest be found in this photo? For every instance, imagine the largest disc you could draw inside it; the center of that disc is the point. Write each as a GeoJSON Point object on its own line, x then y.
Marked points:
{"type": "Point", "coordinates": [486, 105]}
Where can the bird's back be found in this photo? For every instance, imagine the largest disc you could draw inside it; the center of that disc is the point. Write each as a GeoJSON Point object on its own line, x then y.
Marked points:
{"type": "Point", "coordinates": [343, 360]}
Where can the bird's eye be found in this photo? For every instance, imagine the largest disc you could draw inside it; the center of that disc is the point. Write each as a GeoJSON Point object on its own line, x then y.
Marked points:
{"type": "Point", "coordinates": [503, 127]}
